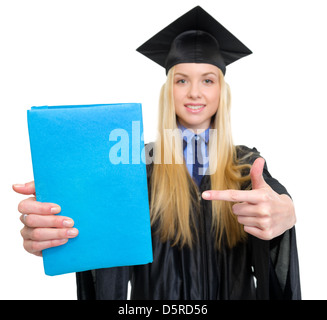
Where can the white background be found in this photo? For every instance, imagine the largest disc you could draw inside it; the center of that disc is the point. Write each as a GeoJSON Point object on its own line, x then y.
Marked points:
{"type": "Point", "coordinates": [83, 52]}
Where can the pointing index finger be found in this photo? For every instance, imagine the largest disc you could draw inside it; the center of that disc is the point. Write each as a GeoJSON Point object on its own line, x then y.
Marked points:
{"type": "Point", "coordinates": [250, 196]}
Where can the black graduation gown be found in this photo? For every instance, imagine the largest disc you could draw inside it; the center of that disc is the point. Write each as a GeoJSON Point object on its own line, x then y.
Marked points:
{"type": "Point", "coordinates": [255, 269]}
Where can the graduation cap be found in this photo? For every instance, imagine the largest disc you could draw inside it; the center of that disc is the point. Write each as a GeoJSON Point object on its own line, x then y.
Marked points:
{"type": "Point", "coordinates": [195, 37]}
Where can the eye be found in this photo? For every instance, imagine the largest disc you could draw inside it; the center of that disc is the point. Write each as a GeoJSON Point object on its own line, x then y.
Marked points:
{"type": "Point", "coordinates": [208, 81]}
{"type": "Point", "coordinates": [182, 81]}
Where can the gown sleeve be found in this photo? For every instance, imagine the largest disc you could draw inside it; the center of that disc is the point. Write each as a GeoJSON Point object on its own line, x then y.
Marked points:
{"type": "Point", "coordinates": [275, 262]}
{"type": "Point", "coordinates": [100, 284]}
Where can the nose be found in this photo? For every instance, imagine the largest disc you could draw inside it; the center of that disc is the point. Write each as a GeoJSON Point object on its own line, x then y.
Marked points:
{"type": "Point", "coordinates": [194, 91]}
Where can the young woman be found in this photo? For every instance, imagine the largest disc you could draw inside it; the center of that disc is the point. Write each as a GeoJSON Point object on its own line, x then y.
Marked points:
{"type": "Point", "coordinates": [222, 228]}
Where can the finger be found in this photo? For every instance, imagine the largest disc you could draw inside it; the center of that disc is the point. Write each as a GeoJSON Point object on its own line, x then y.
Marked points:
{"type": "Point", "coordinates": [259, 233]}
{"type": "Point", "coordinates": [36, 247]}
{"type": "Point", "coordinates": [250, 196]}
{"type": "Point", "coordinates": [30, 205]}
{"type": "Point", "coordinates": [248, 221]}
{"type": "Point", "coordinates": [26, 188]}
{"type": "Point", "coordinates": [44, 234]}
{"type": "Point", "coordinates": [256, 174]}
{"type": "Point", "coordinates": [46, 221]}
{"type": "Point", "coordinates": [245, 209]}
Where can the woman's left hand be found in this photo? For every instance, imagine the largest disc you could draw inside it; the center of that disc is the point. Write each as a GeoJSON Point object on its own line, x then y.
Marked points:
{"type": "Point", "coordinates": [263, 212]}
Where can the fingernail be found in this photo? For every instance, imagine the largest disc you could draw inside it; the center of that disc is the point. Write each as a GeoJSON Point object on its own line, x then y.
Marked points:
{"type": "Point", "coordinates": [55, 209]}
{"type": "Point", "coordinates": [18, 185]}
{"type": "Point", "coordinates": [206, 195]}
{"type": "Point", "coordinates": [72, 232]}
{"type": "Point", "coordinates": [68, 223]}
{"type": "Point", "coordinates": [62, 241]}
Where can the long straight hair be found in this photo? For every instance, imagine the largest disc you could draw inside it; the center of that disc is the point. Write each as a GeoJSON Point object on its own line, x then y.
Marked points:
{"type": "Point", "coordinates": [174, 194]}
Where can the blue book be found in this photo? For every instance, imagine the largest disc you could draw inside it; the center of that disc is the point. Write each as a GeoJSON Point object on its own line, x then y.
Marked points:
{"type": "Point", "coordinates": [89, 159]}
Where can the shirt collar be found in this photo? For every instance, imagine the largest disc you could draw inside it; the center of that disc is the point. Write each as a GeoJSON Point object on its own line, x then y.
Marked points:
{"type": "Point", "coordinates": [189, 134]}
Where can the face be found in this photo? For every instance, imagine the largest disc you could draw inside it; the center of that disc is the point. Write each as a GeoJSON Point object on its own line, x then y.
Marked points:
{"type": "Point", "coordinates": [196, 94]}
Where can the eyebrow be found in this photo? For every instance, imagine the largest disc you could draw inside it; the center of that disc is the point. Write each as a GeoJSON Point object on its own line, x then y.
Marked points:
{"type": "Point", "coordinates": [210, 73]}
{"type": "Point", "coordinates": [180, 74]}
{"type": "Point", "coordinates": [203, 75]}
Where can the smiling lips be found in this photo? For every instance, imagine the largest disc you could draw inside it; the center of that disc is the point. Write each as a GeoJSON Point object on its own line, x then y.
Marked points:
{"type": "Point", "coordinates": [194, 108]}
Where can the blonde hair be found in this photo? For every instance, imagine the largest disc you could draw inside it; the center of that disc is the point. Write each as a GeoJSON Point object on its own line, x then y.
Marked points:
{"type": "Point", "coordinates": [173, 192]}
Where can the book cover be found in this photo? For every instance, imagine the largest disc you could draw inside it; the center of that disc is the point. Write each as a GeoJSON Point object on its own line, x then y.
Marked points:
{"type": "Point", "coordinates": [89, 159]}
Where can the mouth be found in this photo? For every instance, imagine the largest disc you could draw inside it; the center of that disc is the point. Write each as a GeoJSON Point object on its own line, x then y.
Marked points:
{"type": "Point", "coordinates": [194, 107]}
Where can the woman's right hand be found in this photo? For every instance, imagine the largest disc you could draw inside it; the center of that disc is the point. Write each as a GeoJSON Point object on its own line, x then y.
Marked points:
{"type": "Point", "coordinates": [42, 227]}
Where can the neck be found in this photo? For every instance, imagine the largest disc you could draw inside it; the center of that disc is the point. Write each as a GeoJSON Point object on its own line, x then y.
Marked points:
{"type": "Point", "coordinates": [194, 129]}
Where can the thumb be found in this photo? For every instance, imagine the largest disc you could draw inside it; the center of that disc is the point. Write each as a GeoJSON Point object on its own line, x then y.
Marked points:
{"type": "Point", "coordinates": [27, 188]}
{"type": "Point", "coordinates": [256, 174]}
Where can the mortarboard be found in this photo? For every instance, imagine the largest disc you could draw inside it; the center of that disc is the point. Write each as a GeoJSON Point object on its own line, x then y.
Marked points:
{"type": "Point", "coordinates": [195, 37]}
